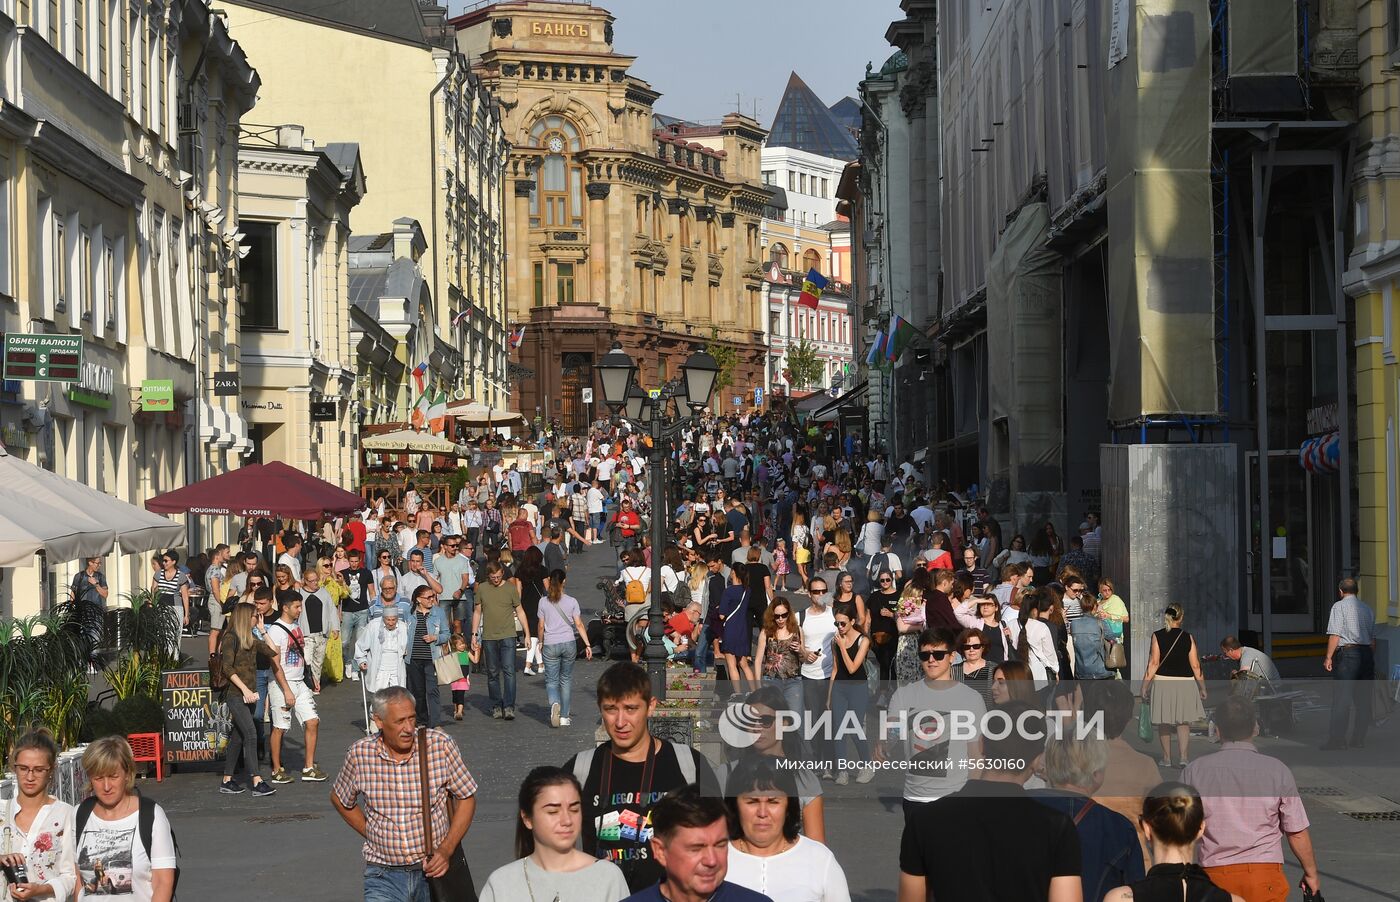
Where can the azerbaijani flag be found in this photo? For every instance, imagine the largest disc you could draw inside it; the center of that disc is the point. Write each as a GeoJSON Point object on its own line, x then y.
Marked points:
{"type": "Point", "coordinates": [812, 287]}
{"type": "Point", "coordinates": [901, 333]}
{"type": "Point", "coordinates": [517, 337]}
{"type": "Point", "coordinates": [420, 371]}
{"type": "Point", "coordinates": [876, 354]}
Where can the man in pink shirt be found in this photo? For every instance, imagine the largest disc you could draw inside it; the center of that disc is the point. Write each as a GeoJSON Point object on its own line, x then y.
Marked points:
{"type": "Point", "coordinates": [1251, 801]}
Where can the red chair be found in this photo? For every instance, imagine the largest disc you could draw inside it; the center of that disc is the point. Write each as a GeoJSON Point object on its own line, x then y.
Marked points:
{"type": "Point", "coordinates": [146, 747]}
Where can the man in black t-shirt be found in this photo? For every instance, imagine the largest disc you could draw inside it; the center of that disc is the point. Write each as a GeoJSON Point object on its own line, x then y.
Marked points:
{"type": "Point", "coordinates": [1046, 864]}
{"type": "Point", "coordinates": [354, 608]}
{"type": "Point", "coordinates": [624, 777]}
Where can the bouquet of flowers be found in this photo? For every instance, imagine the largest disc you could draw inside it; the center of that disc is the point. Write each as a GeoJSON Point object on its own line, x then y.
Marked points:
{"type": "Point", "coordinates": [911, 609]}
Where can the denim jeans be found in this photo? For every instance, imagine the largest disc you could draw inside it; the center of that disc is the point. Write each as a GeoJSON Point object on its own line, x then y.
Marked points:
{"type": "Point", "coordinates": [849, 696]}
{"type": "Point", "coordinates": [350, 625]}
{"type": "Point", "coordinates": [500, 671]}
{"type": "Point", "coordinates": [395, 884]}
{"type": "Point", "coordinates": [791, 688]}
{"type": "Point", "coordinates": [559, 674]}
{"type": "Point", "coordinates": [423, 683]}
{"type": "Point", "coordinates": [701, 660]}
{"type": "Point", "coordinates": [1352, 671]}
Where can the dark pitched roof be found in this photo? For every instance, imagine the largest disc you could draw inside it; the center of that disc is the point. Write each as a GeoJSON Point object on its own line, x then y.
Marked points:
{"type": "Point", "coordinates": [344, 155]}
{"type": "Point", "coordinates": [396, 19]}
{"type": "Point", "coordinates": [804, 123]}
{"type": "Point", "coordinates": [847, 112]}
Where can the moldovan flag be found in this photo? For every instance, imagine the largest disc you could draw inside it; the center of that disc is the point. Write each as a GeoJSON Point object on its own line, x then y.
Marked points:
{"type": "Point", "coordinates": [517, 337]}
{"type": "Point", "coordinates": [812, 288]}
{"type": "Point", "coordinates": [437, 414]}
{"type": "Point", "coordinates": [876, 355]}
{"type": "Point", "coordinates": [901, 333]}
{"type": "Point", "coordinates": [419, 417]}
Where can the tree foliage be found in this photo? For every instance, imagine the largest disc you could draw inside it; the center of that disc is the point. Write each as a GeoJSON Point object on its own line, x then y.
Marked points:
{"type": "Point", "coordinates": [728, 359]}
{"type": "Point", "coordinates": [804, 364]}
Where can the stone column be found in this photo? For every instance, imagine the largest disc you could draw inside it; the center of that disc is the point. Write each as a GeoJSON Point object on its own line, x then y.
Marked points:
{"type": "Point", "coordinates": [598, 241]}
{"type": "Point", "coordinates": [520, 254]}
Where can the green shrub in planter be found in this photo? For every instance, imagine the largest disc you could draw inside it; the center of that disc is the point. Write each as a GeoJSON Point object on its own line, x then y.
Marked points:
{"type": "Point", "coordinates": [101, 722]}
{"type": "Point", "coordinates": [140, 714]}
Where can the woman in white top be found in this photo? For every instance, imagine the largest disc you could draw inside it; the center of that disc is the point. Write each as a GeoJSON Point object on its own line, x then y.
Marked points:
{"type": "Point", "coordinates": [870, 532]}
{"type": "Point", "coordinates": [111, 853]}
{"type": "Point", "coordinates": [766, 853]}
{"type": "Point", "coordinates": [1036, 645]}
{"type": "Point", "coordinates": [548, 867]}
{"type": "Point", "coordinates": [36, 830]}
{"type": "Point", "coordinates": [380, 650]}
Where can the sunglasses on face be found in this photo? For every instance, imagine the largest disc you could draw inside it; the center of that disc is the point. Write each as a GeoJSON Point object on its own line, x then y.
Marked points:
{"type": "Point", "coordinates": [886, 582]}
{"type": "Point", "coordinates": [780, 615]}
{"type": "Point", "coordinates": [934, 655]}
{"type": "Point", "coordinates": [971, 647]}
{"type": "Point", "coordinates": [766, 720]}
{"type": "Point", "coordinates": [842, 624]}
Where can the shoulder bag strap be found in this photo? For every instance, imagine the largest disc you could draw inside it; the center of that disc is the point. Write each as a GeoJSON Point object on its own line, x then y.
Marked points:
{"type": "Point", "coordinates": [1173, 646]}
{"type": "Point", "coordinates": [1083, 810]}
{"type": "Point", "coordinates": [423, 786]}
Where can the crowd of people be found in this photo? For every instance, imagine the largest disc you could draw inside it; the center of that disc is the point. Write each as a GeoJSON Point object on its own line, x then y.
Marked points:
{"type": "Point", "coordinates": [815, 579]}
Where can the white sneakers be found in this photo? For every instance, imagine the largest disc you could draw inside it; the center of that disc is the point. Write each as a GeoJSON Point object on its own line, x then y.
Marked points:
{"type": "Point", "coordinates": [554, 718]}
{"type": "Point", "coordinates": [565, 721]}
{"type": "Point", "coordinates": [865, 776]}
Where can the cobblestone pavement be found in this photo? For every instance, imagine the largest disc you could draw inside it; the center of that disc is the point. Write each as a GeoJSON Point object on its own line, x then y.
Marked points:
{"type": "Point", "coordinates": [241, 847]}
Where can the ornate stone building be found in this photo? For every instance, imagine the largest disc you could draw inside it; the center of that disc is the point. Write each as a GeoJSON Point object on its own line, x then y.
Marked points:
{"type": "Point", "coordinates": [625, 225]}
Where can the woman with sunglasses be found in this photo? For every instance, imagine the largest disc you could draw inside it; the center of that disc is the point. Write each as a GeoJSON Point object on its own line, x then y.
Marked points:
{"type": "Point", "coordinates": [883, 603]}
{"type": "Point", "coordinates": [976, 671]}
{"type": "Point", "coordinates": [780, 652]}
{"type": "Point", "coordinates": [846, 592]}
{"type": "Point", "coordinates": [848, 694]}
{"type": "Point", "coordinates": [996, 637]}
{"type": "Point", "coordinates": [384, 566]}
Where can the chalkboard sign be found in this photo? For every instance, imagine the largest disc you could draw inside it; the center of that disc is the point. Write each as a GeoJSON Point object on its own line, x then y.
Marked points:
{"type": "Point", "coordinates": [196, 723]}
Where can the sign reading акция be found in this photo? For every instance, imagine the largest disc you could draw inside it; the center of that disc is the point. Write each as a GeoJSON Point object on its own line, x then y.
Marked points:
{"type": "Point", "coordinates": [43, 358]}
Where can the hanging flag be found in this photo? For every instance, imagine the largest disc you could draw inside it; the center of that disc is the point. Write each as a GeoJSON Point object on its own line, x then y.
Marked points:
{"type": "Point", "coordinates": [812, 287]}
{"type": "Point", "coordinates": [437, 414]}
{"type": "Point", "coordinates": [456, 320]}
{"type": "Point", "coordinates": [419, 417]}
{"type": "Point", "coordinates": [419, 373]}
{"type": "Point", "coordinates": [875, 355]}
{"type": "Point", "coordinates": [901, 333]}
{"type": "Point", "coordinates": [517, 337]}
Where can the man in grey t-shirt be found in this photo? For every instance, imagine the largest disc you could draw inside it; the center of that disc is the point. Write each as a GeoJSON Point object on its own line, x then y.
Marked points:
{"type": "Point", "coordinates": [937, 759]}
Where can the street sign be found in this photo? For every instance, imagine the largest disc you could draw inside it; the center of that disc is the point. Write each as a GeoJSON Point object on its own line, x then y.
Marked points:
{"type": "Point", "coordinates": [588, 396]}
{"type": "Point", "coordinates": [158, 395]}
{"type": "Point", "coordinates": [738, 400]}
{"type": "Point", "coordinates": [757, 395]}
{"type": "Point", "coordinates": [225, 383]}
{"type": "Point", "coordinates": [653, 393]}
{"type": "Point", "coordinates": [323, 411]}
{"type": "Point", "coordinates": [43, 358]}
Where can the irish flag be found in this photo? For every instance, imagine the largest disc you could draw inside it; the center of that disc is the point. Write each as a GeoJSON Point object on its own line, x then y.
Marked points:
{"type": "Point", "coordinates": [437, 414]}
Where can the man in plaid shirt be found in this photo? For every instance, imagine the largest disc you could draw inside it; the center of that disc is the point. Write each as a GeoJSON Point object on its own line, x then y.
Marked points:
{"type": "Point", "coordinates": [384, 769]}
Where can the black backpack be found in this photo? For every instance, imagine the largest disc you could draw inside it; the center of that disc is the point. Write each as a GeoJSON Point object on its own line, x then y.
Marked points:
{"type": "Point", "coordinates": [145, 826]}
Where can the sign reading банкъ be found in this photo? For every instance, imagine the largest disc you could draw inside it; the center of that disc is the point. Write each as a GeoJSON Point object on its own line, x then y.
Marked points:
{"type": "Point", "coordinates": [560, 29]}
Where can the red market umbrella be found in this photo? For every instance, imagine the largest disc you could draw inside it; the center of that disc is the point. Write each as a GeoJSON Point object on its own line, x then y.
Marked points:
{"type": "Point", "coordinates": [259, 490]}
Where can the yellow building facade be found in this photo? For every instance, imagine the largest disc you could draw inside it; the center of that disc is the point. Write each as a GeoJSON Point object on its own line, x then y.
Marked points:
{"type": "Point", "coordinates": [1373, 283]}
{"type": "Point", "coordinates": [387, 76]}
{"type": "Point", "coordinates": [116, 203]}
{"type": "Point", "coordinates": [623, 226]}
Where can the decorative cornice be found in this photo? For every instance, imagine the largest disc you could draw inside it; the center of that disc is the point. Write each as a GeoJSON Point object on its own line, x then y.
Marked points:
{"type": "Point", "coordinates": [598, 190]}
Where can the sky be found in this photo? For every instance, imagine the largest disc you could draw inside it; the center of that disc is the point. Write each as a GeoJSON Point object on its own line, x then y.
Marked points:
{"type": "Point", "coordinates": [700, 55]}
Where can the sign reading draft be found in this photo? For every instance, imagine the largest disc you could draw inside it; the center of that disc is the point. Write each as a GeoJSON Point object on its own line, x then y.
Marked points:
{"type": "Point", "coordinates": [43, 358]}
{"type": "Point", "coordinates": [196, 724]}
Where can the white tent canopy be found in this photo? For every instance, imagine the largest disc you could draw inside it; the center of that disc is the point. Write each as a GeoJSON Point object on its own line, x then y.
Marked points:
{"type": "Point", "coordinates": [43, 511]}
{"type": "Point", "coordinates": [475, 414]}
{"type": "Point", "coordinates": [406, 440]}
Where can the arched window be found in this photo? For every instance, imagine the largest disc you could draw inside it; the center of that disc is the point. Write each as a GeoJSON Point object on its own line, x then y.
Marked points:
{"type": "Point", "coordinates": [811, 260]}
{"type": "Point", "coordinates": [778, 254]}
{"type": "Point", "coordinates": [560, 180]}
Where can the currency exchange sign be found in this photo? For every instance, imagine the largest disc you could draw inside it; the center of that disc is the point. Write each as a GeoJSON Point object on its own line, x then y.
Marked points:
{"type": "Point", "coordinates": [43, 358]}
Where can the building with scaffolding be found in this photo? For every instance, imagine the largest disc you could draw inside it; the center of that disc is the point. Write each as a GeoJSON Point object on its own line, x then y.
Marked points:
{"type": "Point", "coordinates": [1145, 315]}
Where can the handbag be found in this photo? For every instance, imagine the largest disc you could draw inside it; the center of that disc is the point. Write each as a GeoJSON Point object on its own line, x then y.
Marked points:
{"type": "Point", "coordinates": [1114, 657]}
{"type": "Point", "coordinates": [1145, 730]}
{"type": "Point", "coordinates": [449, 669]}
{"type": "Point", "coordinates": [456, 884]}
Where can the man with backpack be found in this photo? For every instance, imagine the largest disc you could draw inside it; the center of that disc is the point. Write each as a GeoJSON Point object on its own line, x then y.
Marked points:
{"type": "Point", "coordinates": [626, 776]}
{"type": "Point", "coordinates": [286, 636]}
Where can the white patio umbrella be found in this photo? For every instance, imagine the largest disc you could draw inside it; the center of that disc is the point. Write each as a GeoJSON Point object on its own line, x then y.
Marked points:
{"type": "Point", "coordinates": [27, 529]}
{"type": "Point", "coordinates": [474, 413]}
{"type": "Point", "coordinates": [78, 509]}
{"type": "Point", "coordinates": [406, 440]}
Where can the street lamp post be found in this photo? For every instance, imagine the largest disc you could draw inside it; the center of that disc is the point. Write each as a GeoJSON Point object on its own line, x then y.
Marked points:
{"type": "Point", "coordinates": [653, 418]}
